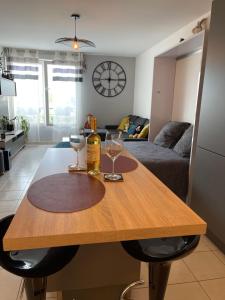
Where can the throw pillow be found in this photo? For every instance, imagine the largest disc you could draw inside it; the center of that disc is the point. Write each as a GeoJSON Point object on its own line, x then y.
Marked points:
{"type": "Point", "coordinates": [123, 123]}
{"type": "Point", "coordinates": [144, 133]}
{"type": "Point", "coordinates": [132, 129]}
{"type": "Point", "coordinates": [170, 134]}
{"type": "Point", "coordinates": [183, 146]}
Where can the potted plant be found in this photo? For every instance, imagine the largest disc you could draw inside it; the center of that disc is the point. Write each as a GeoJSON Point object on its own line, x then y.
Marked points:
{"type": "Point", "coordinates": [4, 120]}
{"type": "Point", "coordinates": [24, 125]}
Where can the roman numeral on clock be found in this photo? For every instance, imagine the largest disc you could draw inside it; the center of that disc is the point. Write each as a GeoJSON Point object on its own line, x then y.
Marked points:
{"type": "Point", "coordinates": [99, 73]}
{"type": "Point", "coordinates": [120, 73]}
{"type": "Point", "coordinates": [97, 86]}
{"type": "Point", "coordinates": [96, 79]}
{"type": "Point", "coordinates": [103, 67]}
{"type": "Point", "coordinates": [120, 86]}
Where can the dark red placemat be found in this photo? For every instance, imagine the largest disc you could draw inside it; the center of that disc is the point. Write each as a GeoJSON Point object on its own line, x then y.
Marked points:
{"type": "Point", "coordinates": [66, 192]}
{"type": "Point", "coordinates": [123, 164]}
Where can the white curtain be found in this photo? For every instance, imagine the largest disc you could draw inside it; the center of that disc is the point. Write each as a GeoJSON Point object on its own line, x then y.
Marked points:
{"type": "Point", "coordinates": [48, 92]}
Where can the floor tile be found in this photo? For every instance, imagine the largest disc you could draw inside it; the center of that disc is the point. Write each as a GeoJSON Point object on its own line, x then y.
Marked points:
{"type": "Point", "coordinates": [2, 184]}
{"type": "Point", "coordinates": [8, 206]}
{"type": "Point", "coordinates": [209, 243]}
{"type": "Point", "coordinates": [202, 246]}
{"type": "Point", "coordinates": [220, 255]}
{"type": "Point", "coordinates": [186, 291]}
{"type": "Point", "coordinates": [10, 196]}
{"type": "Point", "coordinates": [5, 214]}
{"type": "Point", "coordinates": [179, 273]}
{"type": "Point", "coordinates": [138, 294]}
{"type": "Point", "coordinates": [16, 186]}
{"type": "Point", "coordinates": [205, 265]}
{"type": "Point", "coordinates": [214, 288]}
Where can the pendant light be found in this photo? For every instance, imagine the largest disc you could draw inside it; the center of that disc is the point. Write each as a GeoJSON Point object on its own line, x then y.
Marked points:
{"type": "Point", "coordinates": [75, 42]}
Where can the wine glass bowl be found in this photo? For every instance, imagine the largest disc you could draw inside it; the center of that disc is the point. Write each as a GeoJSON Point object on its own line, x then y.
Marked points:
{"type": "Point", "coordinates": [77, 142]}
{"type": "Point", "coordinates": [113, 148]}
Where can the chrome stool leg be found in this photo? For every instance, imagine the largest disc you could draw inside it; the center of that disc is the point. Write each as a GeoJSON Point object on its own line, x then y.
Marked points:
{"type": "Point", "coordinates": [126, 290]}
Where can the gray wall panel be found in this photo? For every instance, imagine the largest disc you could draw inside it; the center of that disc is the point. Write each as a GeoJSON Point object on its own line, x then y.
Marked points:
{"type": "Point", "coordinates": [212, 116]}
{"type": "Point", "coordinates": [208, 192]}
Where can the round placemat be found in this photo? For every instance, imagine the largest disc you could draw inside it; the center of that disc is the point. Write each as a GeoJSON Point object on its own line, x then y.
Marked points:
{"type": "Point", "coordinates": [123, 164]}
{"type": "Point", "coordinates": [66, 192]}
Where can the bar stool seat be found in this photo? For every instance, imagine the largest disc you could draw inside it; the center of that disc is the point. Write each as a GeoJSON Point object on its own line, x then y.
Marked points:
{"type": "Point", "coordinates": [159, 253]}
{"type": "Point", "coordinates": [34, 263]}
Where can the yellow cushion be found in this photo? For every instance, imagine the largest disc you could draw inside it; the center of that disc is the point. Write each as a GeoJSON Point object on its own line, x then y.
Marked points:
{"type": "Point", "coordinates": [123, 123]}
{"type": "Point", "coordinates": [144, 133]}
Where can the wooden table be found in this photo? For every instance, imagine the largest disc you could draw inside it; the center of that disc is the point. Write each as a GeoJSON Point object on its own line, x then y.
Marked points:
{"type": "Point", "coordinates": [140, 207]}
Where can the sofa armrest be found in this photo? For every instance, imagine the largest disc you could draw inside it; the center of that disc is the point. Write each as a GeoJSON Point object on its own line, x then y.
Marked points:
{"type": "Point", "coordinates": [111, 127]}
{"type": "Point", "coordinates": [135, 140]}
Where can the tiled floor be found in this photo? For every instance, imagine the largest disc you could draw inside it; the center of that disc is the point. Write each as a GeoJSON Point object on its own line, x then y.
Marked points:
{"type": "Point", "coordinates": [200, 276]}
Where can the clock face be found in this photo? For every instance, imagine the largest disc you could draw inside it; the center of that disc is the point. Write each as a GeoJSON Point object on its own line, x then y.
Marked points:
{"type": "Point", "coordinates": [109, 79]}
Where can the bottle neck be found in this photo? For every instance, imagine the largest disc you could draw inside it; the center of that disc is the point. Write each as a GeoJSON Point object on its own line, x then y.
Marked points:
{"type": "Point", "coordinates": [93, 124]}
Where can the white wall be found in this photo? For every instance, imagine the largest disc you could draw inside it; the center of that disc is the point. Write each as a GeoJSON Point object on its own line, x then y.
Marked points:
{"type": "Point", "coordinates": [145, 65]}
{"type": "Point", "coordinates": [108, 110]}
{"type": "Point", "coordinates": [186, 88]}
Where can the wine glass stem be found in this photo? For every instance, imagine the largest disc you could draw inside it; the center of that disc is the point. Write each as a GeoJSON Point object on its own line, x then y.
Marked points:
{"type": "Point", "coordinates": [113, 167]}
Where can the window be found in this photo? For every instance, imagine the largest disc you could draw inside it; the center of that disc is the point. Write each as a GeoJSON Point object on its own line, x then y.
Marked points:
{"type": "Point", "coordinates": [60, 94]}
{"type": "Point", "coordinates": [29, 84]}
{"type": "Point", "coordinates": [46, 96]}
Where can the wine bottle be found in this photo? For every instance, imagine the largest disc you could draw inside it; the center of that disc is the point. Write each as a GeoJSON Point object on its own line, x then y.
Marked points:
{"type": "Point", "coordinates": [93, 150]}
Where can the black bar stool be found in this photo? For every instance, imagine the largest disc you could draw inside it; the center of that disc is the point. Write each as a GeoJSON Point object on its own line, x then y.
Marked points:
{"type": "Point", "coordinates": [34, 265]}
{"type": "Point", "coordinates": [159, 253]}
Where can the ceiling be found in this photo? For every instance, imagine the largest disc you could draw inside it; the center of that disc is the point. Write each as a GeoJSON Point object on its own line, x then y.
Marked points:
{"type": "Point", "coordinates": [118, 27]}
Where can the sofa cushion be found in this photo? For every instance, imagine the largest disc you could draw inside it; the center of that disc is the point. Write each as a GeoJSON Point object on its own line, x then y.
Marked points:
{"type": "Point", "coordinates": [140, 121]}
{"type": "Point", "coordinates": [170, 134]}
{"type": "Point", "coordinates": [132, 119]}
{"type": "Point", "coordinates": [144, 132]}
{"type": "Point", "coordinates": [123, 123]}
{"type": "Point", "coordinates": [183, 146]}
{"type": "Point", "coordinates": [131, 129]}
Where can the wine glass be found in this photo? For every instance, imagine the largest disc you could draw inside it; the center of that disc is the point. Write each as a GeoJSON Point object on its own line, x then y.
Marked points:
{"type": "Point", "coordinates": [77, 142]}
{"type": "Point", "coordinates": [113, 147]}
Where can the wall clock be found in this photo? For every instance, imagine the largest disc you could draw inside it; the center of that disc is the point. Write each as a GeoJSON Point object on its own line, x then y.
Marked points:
{"type": "Point", "coordinates": [109, 79]}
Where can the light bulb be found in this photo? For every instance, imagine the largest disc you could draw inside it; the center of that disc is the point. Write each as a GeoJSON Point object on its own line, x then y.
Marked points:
{"type": "Point", "coordinates": [75, 45]}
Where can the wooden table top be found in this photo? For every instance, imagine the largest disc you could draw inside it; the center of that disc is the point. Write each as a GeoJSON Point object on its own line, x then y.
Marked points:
{"type": "Point", "coordinates": [138, 208]}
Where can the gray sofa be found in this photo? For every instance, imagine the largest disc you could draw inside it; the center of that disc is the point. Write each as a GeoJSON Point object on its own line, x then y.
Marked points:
{"type": "Point", "coordinates": [166, 164]}
{"type": "Point", "coordinates": [168, 155]}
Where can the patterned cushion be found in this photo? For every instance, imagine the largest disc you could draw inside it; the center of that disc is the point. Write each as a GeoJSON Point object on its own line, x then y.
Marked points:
{"type": "Point", "coordinates": [170, 134]}
{"type": "Point", "coordinates": [132, 129]}
{"type": "Point", "coordinates": [123, 123]}
{"type": "Point", "coordinates": [183, 146]}
{"type": "Point", "coordinates": [132, 118]}
{"type": "Point", "coordinates": [140, 121]}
